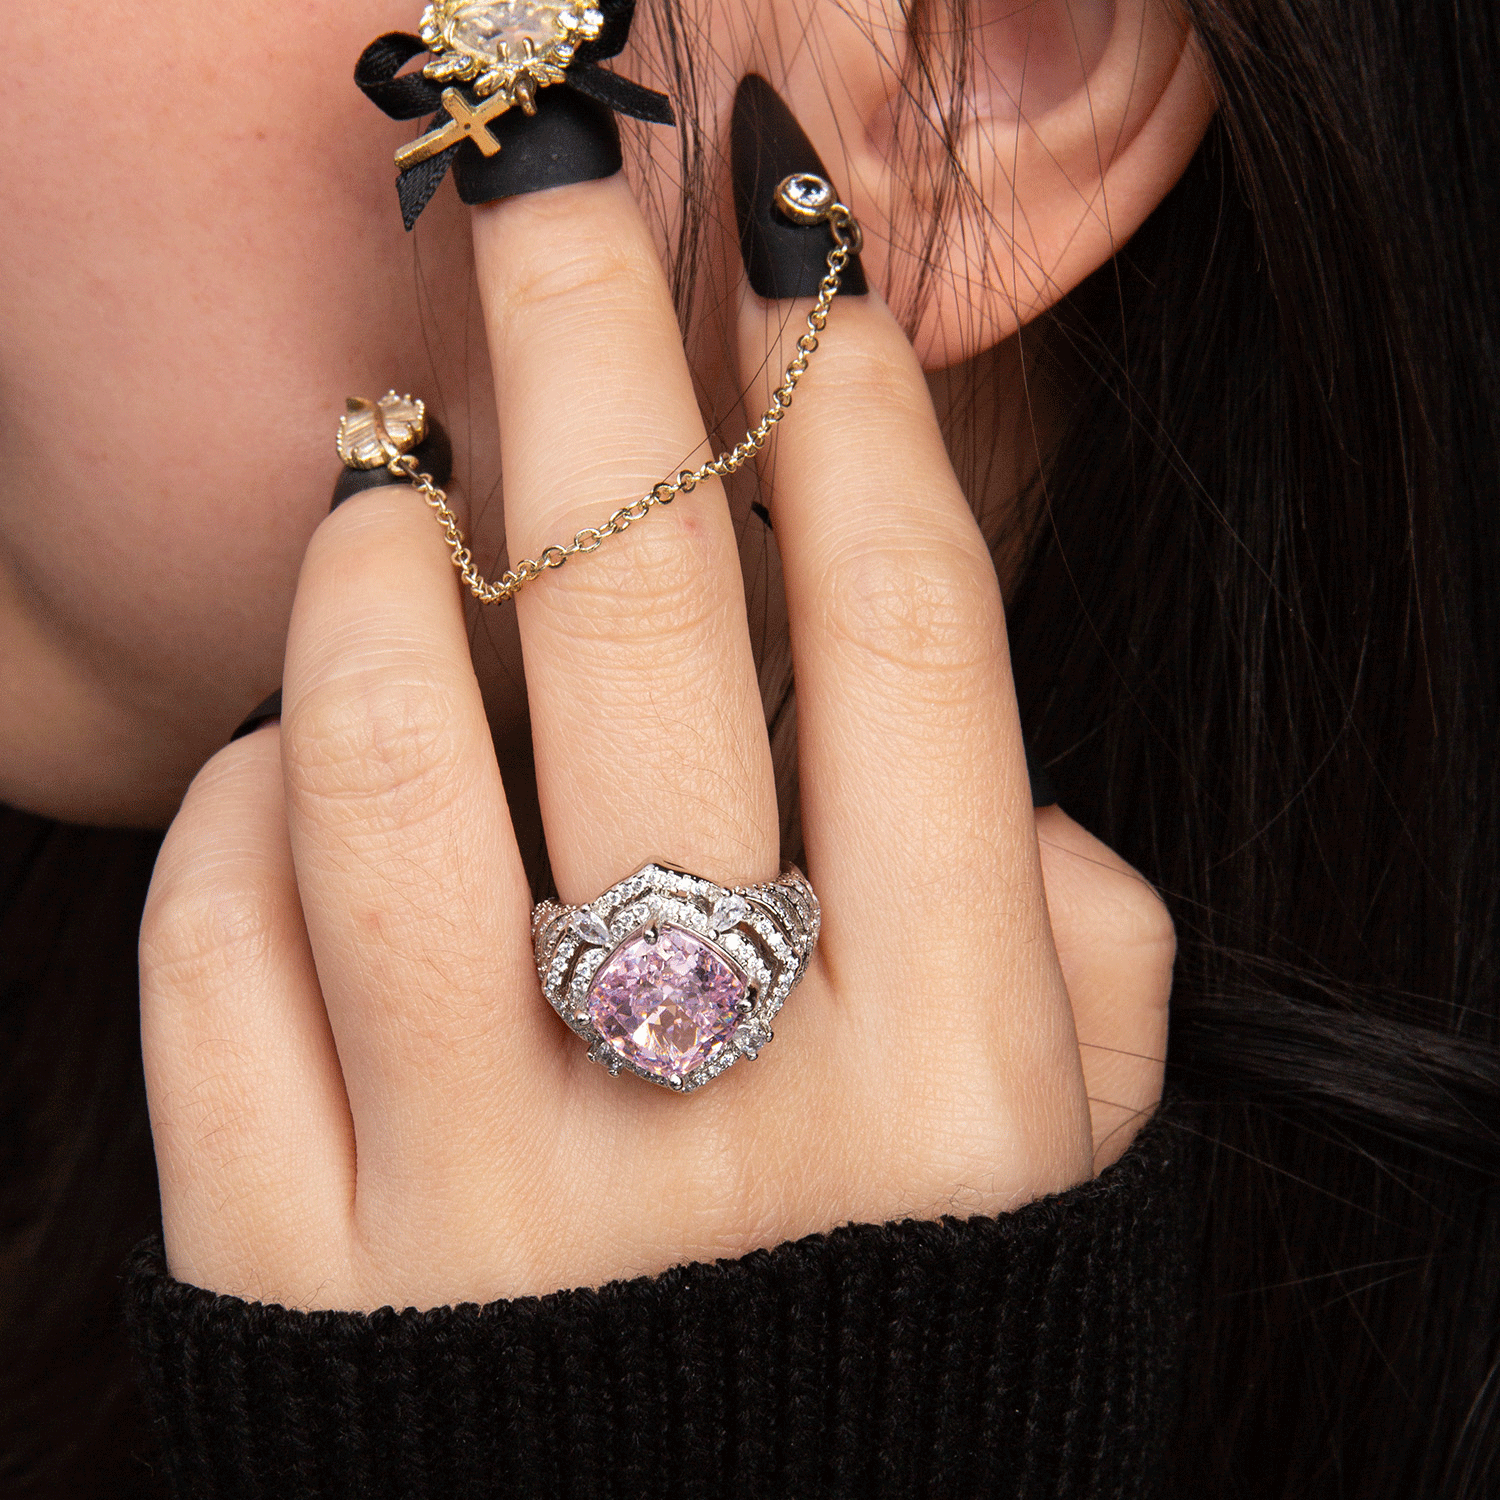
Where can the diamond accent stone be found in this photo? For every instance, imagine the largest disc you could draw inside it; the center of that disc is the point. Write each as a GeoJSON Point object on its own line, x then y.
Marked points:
{"type": "Point", "coordinates": [805, 197]}
{"type": "Point", "coordinates": [666, 1007]}
{"type": "Point", "coordinates": [486, 27]}
{"type": "Point", "coordinates": [729, 911]}
{"type": "Point", "coordinates": [591, 929]}
{"type": "Point", "coordinates": [749, 1037]}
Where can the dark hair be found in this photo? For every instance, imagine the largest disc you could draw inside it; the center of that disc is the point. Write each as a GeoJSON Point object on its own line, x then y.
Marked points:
{"type": "Point", "coordinates": [77, 1179]}
{"type": "Point", "coordinates": [1258, 645]}
{"type": "Point", "coordinates": [1256, 642]}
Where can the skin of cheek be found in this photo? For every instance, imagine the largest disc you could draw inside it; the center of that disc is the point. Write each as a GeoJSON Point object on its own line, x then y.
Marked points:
{"type": "Point", "coordinates": [185, 317]}
{"type": "Point", "coordinates": [184, 320]}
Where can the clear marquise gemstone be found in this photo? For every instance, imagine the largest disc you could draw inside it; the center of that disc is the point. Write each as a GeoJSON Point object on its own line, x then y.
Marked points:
{"type": "Point", "coordinates": [729, 911]}
{"type": "Point", "coordinates": [591, 929]}
{"type": "Point", "coordinates": [666, 1006]}
{"type": "Point", "coordinates": [487, 26]}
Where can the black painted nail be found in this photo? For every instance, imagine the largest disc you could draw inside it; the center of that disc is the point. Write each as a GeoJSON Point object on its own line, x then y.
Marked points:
{"type": "Point", "coordinates": [570, 138]}
{"type": "Point", "coordinates": [262, 713]}
{"type": "Point", "coordinates": [1042, 792]}
{"type": "Point", "coordinates": [766, 144]}
{"type": "Point", "coordinates": [434, 455]}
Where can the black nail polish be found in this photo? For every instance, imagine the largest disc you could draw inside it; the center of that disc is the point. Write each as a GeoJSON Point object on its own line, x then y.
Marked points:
{"type": "Point", "coordinates": [570, 138]}
{"type": "Point", "coordinates": [766, 144]}
{"type": "Point", "coordinates": [1042, 792]}
{"type": "Point", "coordinates": [434, 455]}
{"type": "Point", "coordinates": [262, 713]}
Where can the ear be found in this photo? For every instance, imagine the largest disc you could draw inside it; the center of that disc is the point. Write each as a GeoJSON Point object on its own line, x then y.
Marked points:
{"type": "Point", "coordinates": [1036, 140]}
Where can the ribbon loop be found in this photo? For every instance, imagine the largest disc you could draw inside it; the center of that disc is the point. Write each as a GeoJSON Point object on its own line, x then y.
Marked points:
{"type": "Point", "coordinates": [375, 73]}
{"type": "Point", "coordinates": [622, 95]}
{"type": "Point", "coordinates": [408, 96]}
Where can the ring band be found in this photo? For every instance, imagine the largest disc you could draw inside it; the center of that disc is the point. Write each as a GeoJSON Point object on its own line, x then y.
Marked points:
{"type": "Point", "coordinates": [672, 977]}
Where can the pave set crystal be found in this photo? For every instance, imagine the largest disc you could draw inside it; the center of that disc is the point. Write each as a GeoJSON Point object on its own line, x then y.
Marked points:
{"type": "Point", "coordinates": [672, 977]}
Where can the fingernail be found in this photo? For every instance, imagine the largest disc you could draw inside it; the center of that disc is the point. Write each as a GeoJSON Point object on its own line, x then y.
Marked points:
{"type": "Point", "coordinates": [570, 138]}
{"type": "Point", "coordinates": [1042, 792]}
{"type": "Point", "coordinates": [262, 713]}
{"type": "Point", "coordinates": [434, 455]}
{"type": "Point", "coordinates": [766, 144]}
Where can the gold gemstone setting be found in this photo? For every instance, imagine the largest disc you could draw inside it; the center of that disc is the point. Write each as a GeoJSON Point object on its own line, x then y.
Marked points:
{"type": "Point", "coordinates": [506, 47]}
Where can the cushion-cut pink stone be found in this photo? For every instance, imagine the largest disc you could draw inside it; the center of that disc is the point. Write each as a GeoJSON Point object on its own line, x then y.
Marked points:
{"type": "Point", "coordinates": [666, 1006]}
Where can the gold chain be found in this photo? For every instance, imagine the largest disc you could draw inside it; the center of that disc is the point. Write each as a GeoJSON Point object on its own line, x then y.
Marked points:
{"type": "Point", "coordinates": [404, 467]}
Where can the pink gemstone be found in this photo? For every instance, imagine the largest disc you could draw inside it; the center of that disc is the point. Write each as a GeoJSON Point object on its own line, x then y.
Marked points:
{"type": "Point", "coordinates": [669, 1005]}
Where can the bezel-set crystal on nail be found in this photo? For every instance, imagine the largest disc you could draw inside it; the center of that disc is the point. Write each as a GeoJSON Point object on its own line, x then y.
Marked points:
{"type": "Point", "coordinates": [496, 45]}
{"type": "Point", "coordinates": [805, 198]}
{"type": "Point", "coordinates": [672, 977]}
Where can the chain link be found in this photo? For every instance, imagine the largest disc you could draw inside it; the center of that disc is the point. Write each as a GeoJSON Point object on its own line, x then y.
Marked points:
{"type": "Point", "coordinates": [847, 241]}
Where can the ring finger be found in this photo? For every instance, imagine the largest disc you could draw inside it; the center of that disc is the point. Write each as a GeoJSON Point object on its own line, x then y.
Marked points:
{"type": "Point", "coordinates": [917, 817]}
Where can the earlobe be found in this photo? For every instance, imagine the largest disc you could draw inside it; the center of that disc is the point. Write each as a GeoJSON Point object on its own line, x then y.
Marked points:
{"type": "Point", "coordinates": [1074, 118]}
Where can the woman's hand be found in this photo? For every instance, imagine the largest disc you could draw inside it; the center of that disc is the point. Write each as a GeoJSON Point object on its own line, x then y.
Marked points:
{"type": "Point", "coordinates": [358, 1093]}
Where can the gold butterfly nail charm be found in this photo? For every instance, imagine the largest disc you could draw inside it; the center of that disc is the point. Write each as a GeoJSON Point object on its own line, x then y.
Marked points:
{"type": "Point", "coordinates": [372, 433]}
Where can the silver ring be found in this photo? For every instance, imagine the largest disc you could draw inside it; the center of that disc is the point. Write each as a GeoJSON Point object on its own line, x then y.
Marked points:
{"type": "Point", "coordinates": [671, 977]}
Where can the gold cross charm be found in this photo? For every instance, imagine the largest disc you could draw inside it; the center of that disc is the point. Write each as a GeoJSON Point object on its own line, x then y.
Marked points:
{"type": "Point", "coordinates": [464, 120]}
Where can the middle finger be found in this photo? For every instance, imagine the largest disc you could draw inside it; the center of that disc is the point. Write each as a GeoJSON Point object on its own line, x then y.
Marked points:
{"type": "Point", "coordinates": [642, 684]}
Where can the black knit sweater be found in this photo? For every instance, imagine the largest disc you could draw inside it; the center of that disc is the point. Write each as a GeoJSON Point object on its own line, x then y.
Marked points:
{"type": "Point", "coordinates": [1035, 1354]}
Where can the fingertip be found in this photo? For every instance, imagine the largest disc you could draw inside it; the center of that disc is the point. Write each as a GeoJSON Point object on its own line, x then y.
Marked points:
{"type": "Point", "coordinates": [783, 258]}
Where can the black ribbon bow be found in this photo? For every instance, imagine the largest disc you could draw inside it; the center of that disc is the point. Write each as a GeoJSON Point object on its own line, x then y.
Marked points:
{"type": "Point", "coordinates": [411, 96]}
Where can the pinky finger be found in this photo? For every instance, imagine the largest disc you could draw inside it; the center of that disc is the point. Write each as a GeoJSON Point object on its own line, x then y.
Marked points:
{"type": "Point", "coordinates": [251, 1125]}
{"type": "Point", "coordinates": [1116, 945]}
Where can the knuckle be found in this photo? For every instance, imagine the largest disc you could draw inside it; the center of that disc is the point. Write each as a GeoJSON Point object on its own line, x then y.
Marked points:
{"type": "Point", "coordinates": [1128, 916]}
{"type": "Point", "coordinates": [652, 587]}
{"type": "Point", "coordinates": [1150, 929]}
{"type": "Point", "coordinates": [912, 610]}
{"type": "Point", "coordinates": [206, 933]}
{"type": "Point", "coordinates": [852, 369]}
{"type": "Point", "coordinates": [390, 753]}
{"type": "Point", "coordinates": [588, 272]}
